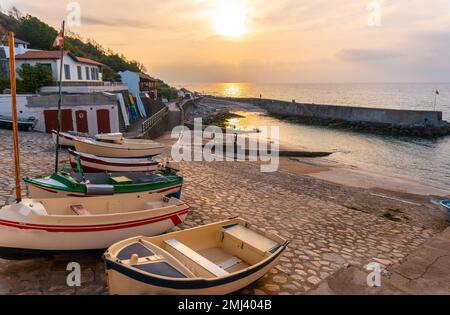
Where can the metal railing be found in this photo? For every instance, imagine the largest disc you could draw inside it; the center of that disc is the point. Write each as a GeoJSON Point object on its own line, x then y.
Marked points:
{"type": "Point", "coordinates": [152, 121]}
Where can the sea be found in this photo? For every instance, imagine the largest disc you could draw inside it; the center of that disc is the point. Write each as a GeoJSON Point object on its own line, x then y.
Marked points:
{"type": "Point", "coordinates": [426, 160]}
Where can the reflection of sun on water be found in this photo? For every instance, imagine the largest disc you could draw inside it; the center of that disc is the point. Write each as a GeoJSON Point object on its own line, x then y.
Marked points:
{"type": "Point", "coordinates": [232, 89]}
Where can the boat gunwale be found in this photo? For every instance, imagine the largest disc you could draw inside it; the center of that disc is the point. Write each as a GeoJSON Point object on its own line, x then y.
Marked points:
{"type": "Point", "coordinates": [186, 283]}
{"type": "Point", "coordinates": [117, 147]}
{"type": "Point", "coordinates": [73, 186]}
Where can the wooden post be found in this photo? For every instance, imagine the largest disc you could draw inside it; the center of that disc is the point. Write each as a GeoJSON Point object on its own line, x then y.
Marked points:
{"type": "Point", "coordinates": [58, 130]}
{"type": "Point", "coordinates": [12, 76]}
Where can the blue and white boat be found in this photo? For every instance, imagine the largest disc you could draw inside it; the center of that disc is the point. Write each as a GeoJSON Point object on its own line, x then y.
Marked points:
{"type": "Point", "coordinates": [215, 259]}
{"type": "Point", "coordinates": [445, 205]}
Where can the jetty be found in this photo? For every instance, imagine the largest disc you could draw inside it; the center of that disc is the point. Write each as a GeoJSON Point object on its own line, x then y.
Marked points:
{"type": "Point", "coordinates": [393, 121]}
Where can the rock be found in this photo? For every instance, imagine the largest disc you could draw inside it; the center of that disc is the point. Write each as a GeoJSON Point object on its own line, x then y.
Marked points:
{"type": "Point", "coordinates": [279, 279]}
{"type": "Point", "coordinates": [314, 280]}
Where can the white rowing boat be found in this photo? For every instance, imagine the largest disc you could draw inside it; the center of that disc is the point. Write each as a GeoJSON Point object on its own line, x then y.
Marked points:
{"type": "Point", "coordinates": [66, 139]}
{"type": "Point", "coordinates": [96, 164]}
{"type": "Point", "coordinates": [119, 148]}
{"type": "Point", "coordinates": [71, 224]}
{"type": "Point", "coordinates": [215, 259]}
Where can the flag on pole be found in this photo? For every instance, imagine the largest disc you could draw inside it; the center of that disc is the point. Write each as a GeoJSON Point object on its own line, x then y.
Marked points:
{"type": "Point", "coordinates": [59, 41]}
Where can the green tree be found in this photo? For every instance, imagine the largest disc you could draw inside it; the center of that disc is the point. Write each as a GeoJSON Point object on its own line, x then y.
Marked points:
{"type": "Point", "coordinates": [37, 33]}
{"type": "Point", "coordinates": [34, 77]}
{"type": "Point", "coordinates": [166, 91]}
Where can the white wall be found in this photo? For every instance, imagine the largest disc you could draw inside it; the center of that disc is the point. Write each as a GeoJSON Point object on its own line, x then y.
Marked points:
{"type": "Point", "coordinates": [56, 65]}
{"type": "Point", "coordinates": [91, 113]}
{"type": "Point", "coordinates": [22, 110]}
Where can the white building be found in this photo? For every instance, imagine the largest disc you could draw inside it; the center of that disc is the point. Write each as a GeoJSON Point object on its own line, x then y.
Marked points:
{"type": "Point", "coordinates": [20, 47]}
{"type": "Point", "coordinates": [75, 69]}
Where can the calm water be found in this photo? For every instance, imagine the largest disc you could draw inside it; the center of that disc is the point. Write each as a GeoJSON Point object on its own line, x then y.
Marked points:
{"type": "Point", "coordinates": [422, 159]}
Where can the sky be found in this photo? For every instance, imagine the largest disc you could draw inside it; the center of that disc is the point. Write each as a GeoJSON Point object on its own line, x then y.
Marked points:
{"type": "Point", "coordinates": [267, 41]}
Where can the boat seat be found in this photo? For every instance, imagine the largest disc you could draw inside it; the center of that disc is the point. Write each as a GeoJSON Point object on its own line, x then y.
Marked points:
{"type": "Point", "coordinates": [80, 210]}
{"type": "Point", "coordinates": [153, 205]}
{"type": "Point", "coordinates": [134, 249]}
{"type": "Point", "coordinates": [192, 255]}
{"type": "Point", "coordinates": [251, 238]}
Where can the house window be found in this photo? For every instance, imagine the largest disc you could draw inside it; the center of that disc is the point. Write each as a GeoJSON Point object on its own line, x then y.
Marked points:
{"type": "Point", "coordinates": [67, 72]}
{"type": "Point", "coordinates": [80, 76]}
{"type": "Point", "coordinates": [88, 74]}
{"type": "Point", "coordinates": [93, 74]}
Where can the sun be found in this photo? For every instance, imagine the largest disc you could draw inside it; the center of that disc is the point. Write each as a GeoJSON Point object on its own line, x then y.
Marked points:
{"type": "Point", "coordinates": [230, 20]}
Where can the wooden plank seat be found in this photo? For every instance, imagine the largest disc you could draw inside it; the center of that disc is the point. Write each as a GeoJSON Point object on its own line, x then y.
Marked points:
{"type": "Point", "coordinates": [80, 210]}
{"type": "Point", "coordinates": [251, 238]}
{"type": "Point", "coordinates": [183, 252]}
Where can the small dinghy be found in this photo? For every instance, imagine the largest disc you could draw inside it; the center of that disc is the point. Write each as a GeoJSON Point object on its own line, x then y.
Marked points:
{"type": "Point", "coordinates": [119, 147]}
{"type": "Point", "coordinates": [38, 226]}
{"type": "Point", "coordinates": [66, 139]}
{"type": "Point", "coordinates": [215, 259]}
{"type": "Point", "coordinates": [95, 164]}
{"type": "Point", "coordinates": [445, 205]}
{"type": "Point", "coordinates": [23, 124]}
{"type": "Point", "coordinates": [97, 184]}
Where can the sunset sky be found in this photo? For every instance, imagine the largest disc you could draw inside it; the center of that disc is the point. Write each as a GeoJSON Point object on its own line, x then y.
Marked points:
{"type": "Point", "coordinates": [265, 41]}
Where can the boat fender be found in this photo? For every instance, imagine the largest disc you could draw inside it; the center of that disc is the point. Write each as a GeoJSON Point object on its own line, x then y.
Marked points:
{"type": "Point", "coordinates": [99, 190]}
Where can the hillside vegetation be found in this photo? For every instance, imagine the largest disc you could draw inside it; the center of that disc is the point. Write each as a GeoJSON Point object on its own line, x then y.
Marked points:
{"type": "Point", "coordinates": [41, 36]}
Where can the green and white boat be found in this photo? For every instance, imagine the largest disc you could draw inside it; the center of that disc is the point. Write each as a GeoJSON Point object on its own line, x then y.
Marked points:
{"type": "Point", "coordinates": [61, 184]}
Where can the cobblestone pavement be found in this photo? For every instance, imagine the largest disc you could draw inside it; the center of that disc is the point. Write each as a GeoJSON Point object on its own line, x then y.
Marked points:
{"type": "Point", "coordinates": [327, 235]}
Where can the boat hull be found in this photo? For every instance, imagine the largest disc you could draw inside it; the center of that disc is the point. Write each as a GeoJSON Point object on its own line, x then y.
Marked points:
{"type": "Point", "coordinates": [115, 151]}
{"type": "Point", "coordinates": [445, 207]}
{"type": "Point", "coordinates": [65, 140]}
{"type": "Point", "coordinates": [93, 164]}
{"type": "Point", "coordinates": [23, 126]}
{"type": "Point", "coordinates": [40, 192]}
{"type": "Point", "coordinates": [123, 281]}
{"type": "Point", "coordinates": [22, 232]}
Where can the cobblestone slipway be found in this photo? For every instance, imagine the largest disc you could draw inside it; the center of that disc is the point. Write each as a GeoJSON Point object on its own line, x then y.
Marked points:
{"type": "Point", "coordinates": [327, 235]}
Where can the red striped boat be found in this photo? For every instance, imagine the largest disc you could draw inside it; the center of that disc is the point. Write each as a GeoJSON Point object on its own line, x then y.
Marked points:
{"type": "Point", "coordinates": [95, 164]}
{"type": "Point", "coordinates": [38, 226]}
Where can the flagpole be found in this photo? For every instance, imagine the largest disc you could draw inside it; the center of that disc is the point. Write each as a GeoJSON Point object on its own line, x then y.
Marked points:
{"type": "Point", "coordinates": [61, 68]}
{"type": "Point", "coordinates": [12, 76]}
{"type": "Point", "coordinates": [435, 99]}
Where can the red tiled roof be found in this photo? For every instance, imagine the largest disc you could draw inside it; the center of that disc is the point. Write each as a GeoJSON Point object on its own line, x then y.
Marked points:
{"type": "Point", "coordinates": [54, 54]}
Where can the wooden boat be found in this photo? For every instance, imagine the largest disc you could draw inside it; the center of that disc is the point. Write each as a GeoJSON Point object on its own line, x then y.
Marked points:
{"type": "Point", "coordinates": [215, 259]}
{"type": "Point", "coordinates": [95, 164]}
{"type": "Point", "coordinates": [119, 148]}
{"type": "Point", "coordinates": [24, 124]}
{"type": "Point", "coordinates": [445, 205]}
{"type": "Point", "coordinates": [38, 226]}
{"type": "Point", "coordinates": [97, 184]}
{"type": "Point", "coordinates": [66, 138]}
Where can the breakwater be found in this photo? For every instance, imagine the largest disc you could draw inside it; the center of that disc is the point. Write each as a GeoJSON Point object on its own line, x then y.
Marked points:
{"type": "Point", "coordinates": [396, 121]}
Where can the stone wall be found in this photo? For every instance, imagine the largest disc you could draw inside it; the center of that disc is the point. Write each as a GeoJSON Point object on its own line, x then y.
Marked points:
{"type": "Point", "coordinates": [428, 123]}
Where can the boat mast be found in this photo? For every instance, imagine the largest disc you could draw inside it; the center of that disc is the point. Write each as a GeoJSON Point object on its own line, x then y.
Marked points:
{"type": "Point", "coordinates": [59, 99]}
{"type": "Point", "coordinates": [12, 76]}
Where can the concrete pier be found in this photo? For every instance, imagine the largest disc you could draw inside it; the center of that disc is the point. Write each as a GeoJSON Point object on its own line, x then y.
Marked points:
{"type": "Point", "coordinates": [396, 121]}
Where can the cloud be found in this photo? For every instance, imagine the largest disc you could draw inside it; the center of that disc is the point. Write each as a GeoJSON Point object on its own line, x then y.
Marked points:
{"type": "Point", "coordinates": [367, 55]}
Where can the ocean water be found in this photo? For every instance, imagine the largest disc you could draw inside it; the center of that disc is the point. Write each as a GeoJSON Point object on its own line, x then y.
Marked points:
{"type": "Point", "coordinates": [426, 160]}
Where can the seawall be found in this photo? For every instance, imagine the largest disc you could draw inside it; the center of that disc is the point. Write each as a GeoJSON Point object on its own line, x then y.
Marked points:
{"type": "Point", "coordinates": [397, 121]}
